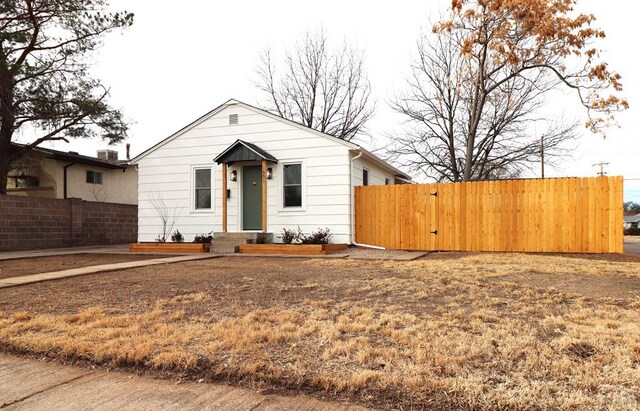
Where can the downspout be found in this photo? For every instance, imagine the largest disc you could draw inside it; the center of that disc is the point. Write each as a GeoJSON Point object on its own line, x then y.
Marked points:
{"type": "Point", "coordinates": [351, 210]}
{"type": "Point", "coordinates": [64, 178]}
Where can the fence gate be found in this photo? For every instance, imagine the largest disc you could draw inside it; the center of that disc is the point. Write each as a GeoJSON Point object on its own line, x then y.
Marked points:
{"type": "Point", "coordinates": [538, 215]}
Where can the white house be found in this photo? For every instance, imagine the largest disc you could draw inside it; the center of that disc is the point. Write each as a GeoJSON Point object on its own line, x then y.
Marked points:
{"type": "Point", "coordinates": [241, 169]}
{"type": "Point", "coordinates": [632, 221]}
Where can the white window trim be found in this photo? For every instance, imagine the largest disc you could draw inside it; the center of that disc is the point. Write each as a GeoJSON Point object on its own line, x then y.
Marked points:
{"type": "Point", "coordinates": [192, 189]}
{"type": "Point", "coordinates": [280, 184]}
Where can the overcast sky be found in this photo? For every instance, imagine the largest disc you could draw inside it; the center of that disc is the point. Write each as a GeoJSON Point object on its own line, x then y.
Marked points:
{"type": "Point", "coordinates": [182, 59]}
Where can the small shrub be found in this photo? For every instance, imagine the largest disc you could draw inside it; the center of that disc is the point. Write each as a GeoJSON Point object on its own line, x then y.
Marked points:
{"type": "Point", "coordinates": [322, 236]}
{"type": "Point", "coordinates": [289, 236]}
{"type": "Point", "coordinates": [632, 231]}
{"type": "Point", "coordinates": [177, 237]}
{"type": "Point", "coordinates": [203, 238]}
{"type": "Point", "coordinates": [161, 239]}
{"type": "Point", "coordinates": [261, 238]}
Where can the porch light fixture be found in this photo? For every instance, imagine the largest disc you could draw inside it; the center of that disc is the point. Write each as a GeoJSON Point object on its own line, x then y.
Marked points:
{"type": "Point", "coordinates": [269, 173]}
{"type": "Point", "coordinates": [234, 175]}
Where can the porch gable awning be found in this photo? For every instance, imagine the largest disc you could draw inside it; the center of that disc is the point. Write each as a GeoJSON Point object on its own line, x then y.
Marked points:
{"type": "Point", "coordinates": [243, 151]}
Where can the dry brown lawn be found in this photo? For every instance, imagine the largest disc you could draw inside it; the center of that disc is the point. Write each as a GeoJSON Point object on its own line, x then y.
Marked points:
{"type": "Point", "coordinates": [452, 331]}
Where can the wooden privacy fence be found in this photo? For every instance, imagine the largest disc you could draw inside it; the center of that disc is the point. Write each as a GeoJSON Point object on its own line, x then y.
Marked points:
{"type": "Point", "coordinates": [569, 215]}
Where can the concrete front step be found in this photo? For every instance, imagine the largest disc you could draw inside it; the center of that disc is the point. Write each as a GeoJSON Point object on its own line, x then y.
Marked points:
{"type": "Point", "coordinates": [240, 236]}
{"type": "Point", "coordinates": [244, 235]}
{"type": "Point", "coordinates": [224, 250]}
{"type": "Point", "coordinates": [224, 243]}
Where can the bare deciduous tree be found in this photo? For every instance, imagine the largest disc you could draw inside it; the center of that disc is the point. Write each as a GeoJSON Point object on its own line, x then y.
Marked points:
{"type": "Point", "coordinates": [168, 215]}
{"type": "Point", "coordinates": [440, 112]}
{"type": "Point", "coordinates": [495, 62]}
{"type": "Point", "coordinates": [320, 88]}
{"type": "Point", "coordinates": [100, 192]}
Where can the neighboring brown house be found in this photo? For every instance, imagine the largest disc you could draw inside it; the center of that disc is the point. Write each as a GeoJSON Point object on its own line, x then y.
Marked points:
{"type": "Point", "coordinates": [44, 172]}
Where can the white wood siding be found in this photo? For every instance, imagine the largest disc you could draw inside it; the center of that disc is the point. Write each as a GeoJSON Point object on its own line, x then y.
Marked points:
{"type": "Point", "coordinates": [167, 172]}
{"type": "Point", "coordinates": [377, 174]}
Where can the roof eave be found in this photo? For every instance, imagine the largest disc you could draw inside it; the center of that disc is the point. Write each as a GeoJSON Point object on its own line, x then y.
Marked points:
{"type": "Point", "coordinates": [221, 107]}
{"type": "Point", "coordinates": [383, 163]}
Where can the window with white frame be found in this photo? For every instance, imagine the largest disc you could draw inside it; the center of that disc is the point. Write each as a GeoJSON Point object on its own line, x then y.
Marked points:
{"type": "Point", "coordinates": [202, 188]}
{"type": "Point", "coordinates": [292, 185]}
{"type": "Point", "coordinates": [365, 177]}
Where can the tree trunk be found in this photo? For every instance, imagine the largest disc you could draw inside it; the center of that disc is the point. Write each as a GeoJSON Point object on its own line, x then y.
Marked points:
{"type": "Point", "coordinates": [7, 119]}
{"type": "Point", "coordinates": [4, 170]}
{"type": "Point", "coordinates": [7, 122]}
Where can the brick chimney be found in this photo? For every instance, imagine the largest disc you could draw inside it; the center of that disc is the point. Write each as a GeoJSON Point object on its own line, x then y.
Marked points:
{"type": "Point", "coordinates": [109, 155]}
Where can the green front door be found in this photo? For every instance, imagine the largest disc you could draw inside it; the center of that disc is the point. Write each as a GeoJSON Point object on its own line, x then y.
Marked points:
{"type": "Point", "coordinates": [252, 198]}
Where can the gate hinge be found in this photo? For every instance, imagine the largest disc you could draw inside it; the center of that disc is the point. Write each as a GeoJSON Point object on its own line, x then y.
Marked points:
{"type": "Point", "coordinates": [435, 232]}
{"type": "Point", "coordinates": [435, 194]}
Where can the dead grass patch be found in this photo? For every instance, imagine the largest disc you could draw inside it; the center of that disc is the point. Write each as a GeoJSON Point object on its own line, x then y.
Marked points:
{"type": "Point", "coordinates": [435, 333]}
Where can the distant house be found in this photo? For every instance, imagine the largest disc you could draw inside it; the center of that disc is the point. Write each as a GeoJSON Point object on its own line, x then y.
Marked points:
{"type": "Point", "coordinates": [43, 172]}
{"type": "Point", "coordinates": [632, 221]}
{"type": "Point", "coordinates": [240, 169]}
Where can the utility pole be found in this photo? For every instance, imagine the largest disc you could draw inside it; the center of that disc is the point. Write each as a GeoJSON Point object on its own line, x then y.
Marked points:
{"type": "Point", "coordinates": [542, 154]}
{"type": "Point", "coordinates": [601, 164]}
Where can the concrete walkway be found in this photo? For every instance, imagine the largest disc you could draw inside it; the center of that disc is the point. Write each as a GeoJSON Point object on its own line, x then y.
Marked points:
{"type": "Point", "coordinates": [101, 249]}
{"type": "Point", "coordinates": [35, 278]}
{"type": "Point", "coordinates": [28, 384]}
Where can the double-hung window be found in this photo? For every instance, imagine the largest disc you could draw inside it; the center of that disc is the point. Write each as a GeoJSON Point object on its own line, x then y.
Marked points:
{"type": "Point", "coordinates": [202, 194]}
{"type": "Point", "coordinates": [292, 185]}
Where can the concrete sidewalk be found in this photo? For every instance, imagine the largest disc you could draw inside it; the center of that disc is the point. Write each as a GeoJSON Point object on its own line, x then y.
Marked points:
{"type": "Point", "coordinates": [28, 384]}
{"type": "Point", "coordinates": [632, 248]}
{"type": "Point", "coordinates": [36, 278]}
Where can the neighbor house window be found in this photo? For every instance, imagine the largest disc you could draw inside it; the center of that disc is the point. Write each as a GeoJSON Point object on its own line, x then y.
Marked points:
{"type": "Point", "coordinates": [365, 177]}
{"type": "Point", "coordinates": [26, 181]}
{"type": "Point", "coordinates": [202, 188]}
{"type": "Point", "coordinates": [94, 177]}
{"type": "Point", "coordinates": [292, 184]}
{"type": "Point", "coordinates": [386, 181]}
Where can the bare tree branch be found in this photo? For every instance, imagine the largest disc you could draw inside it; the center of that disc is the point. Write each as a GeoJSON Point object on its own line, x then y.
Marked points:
{"type": "Point", "coordinates": [319, 88]}
{"type": "Point", "coordinates": [449, 138]}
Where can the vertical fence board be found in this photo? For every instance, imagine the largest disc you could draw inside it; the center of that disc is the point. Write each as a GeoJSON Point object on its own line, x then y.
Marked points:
{"type": "Point", "coordinates": [550, 215]}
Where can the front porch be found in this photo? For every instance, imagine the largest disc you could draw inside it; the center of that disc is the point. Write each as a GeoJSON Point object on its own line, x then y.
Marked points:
{"type": "Point", "coordinates": [253, 164]}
